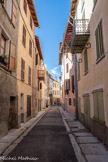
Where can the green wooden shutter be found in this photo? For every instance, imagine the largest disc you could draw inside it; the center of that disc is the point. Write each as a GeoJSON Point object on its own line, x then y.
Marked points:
{"type": "Point", "coordinates": [101, 105]}
{"type": "Point", "coordinates": [95, 102]}
{"type": "Point", "coordinates": [86, 61]}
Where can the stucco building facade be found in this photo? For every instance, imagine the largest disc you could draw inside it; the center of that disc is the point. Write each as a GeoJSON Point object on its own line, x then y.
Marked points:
{"type": "Point", "coordinates": [92, 70]}
{"type": "Point", "coordinates": [25, 59]}
{"type": "Point", "coordinates": [9, 19]}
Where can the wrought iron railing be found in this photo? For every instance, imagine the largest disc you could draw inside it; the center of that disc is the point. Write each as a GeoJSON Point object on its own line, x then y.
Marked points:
{"type": "Point", "coordinates": [81, 26]}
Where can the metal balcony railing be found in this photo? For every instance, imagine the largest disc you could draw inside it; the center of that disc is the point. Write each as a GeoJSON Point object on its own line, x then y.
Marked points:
{"type": "Point", "coordinates": [80, 34]}
{"type": "Point", "coordinates": [81, 26]}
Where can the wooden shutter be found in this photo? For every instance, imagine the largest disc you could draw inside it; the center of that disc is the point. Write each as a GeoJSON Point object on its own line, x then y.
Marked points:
{"type": "Point", "coordinates": [28, 106]}
{"type": "Point", "coordinates": [36, 59]}
{"type": "Point", "coordinates": [73, 83]}
{"type": "Point", "coordinates": [14, 13]}
{"type": "Point", "coordinates": [29, 76]}
{"type": "Point", "coordinates": [99, 41]}
{"type": "Point", "coordinates": [31, 22]}
{"type": "Point", "coordinates": [70, 101]}
{"type": "Point", "coordinates": [30, 47]}
{"type": "Point", "coordinates": [100, 105]}
{"type": "Point", "coordinates": [40, 85]}
{"type": "Point", "coordinates": [24, 36]}
{"type": "Point", "coordinates": [67, 67]}
{"type": "Point", "coordinates": [12, 59]}
{"type": "Point", "coordinates": [101, 38]}
{"type": "Point", "coordinates": [22, 69]}
{"type": "Point", "coordinates": [25, 7]}
{"type": "Point", "coordinates": [86, 61]}
{"type": "Point", "coordinates": [95, 102]}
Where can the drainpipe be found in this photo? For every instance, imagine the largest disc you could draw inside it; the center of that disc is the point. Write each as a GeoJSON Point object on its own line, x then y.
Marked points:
{"type": "Point", "coordinates": [76, 85]}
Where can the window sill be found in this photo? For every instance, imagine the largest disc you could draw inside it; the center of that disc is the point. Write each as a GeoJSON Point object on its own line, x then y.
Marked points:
{"type": "Point", "coordinates": [99, 59]}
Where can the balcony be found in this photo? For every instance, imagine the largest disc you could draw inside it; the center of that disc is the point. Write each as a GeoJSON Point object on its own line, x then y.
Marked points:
{"type": "Point", "coordinates": [80, 35]}
{"type": "Point", "coordinates": [41, 74]}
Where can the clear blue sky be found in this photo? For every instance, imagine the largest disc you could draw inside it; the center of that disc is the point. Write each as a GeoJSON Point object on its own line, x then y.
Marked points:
{"type": "Point", "coordinates": [52, 16]}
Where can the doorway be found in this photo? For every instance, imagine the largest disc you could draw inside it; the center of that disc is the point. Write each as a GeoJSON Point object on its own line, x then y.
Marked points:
{"type": "Point", "coordinates": [22, 108]}
{"type": "Point", "coordinates": [11, 111]}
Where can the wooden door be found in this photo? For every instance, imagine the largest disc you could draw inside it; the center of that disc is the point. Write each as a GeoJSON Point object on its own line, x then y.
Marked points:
{"type": "Point", "coordinates": [11, 109]}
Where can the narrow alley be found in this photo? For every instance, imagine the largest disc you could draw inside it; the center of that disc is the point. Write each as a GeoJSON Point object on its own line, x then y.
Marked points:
{"type": "Point", "coordinates": [54, 80]}
{"type": "Point", "coordinates": [48, 141]}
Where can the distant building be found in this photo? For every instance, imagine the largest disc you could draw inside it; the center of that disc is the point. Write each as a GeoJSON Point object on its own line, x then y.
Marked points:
{"type": "Point", "coordinates": [56, 92]}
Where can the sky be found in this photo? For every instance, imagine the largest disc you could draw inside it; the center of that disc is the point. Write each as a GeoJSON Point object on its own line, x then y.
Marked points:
{"type": "Point", "coordinates": [52, 16]}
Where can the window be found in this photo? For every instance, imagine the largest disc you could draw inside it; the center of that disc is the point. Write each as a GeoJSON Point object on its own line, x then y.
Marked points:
{"type": "Point", "coordinates": [31, 22]}
{"type": "Point", "coordinates": [14, 12]}
{"type": "Point", "coordinates": [36, 61]}
{"type": "Point", "coordinates": [66, 55]}
{"type": "Point", "coordinates": [8, 6]}
{"type": "Point", "coordinates": [69, 101]}
{"type": "Point", "coordinates": [94, 1]}
{"type": "Point", "coordinates": [40, 85]}
{"type": "Point", "coordinates": [99, 41]}
{"type": "Point", "coordinates": [73, 83]}
{"type": "Point", "coordinates": [78, 71]}
{"type": "Point", "coordinates": [68, 84]}
{"type": "Point", "coordinates": [22, 69]}
{"type": "Point", "coordinates": [67, 67]}
{"type": "Point", "coordinates": [12, 59]}
{"type": "Point", "coordinates": [2, 45]}
{"type": "Point", "coordinates": [25, 7]}
{"type": "Point", "coordinates": [28, 105]}
{"type": "Point", "coordinates": [85, 62]}
{"type": "Point", "coordinates": [74, 102]}
{"type": "Point", "coordinates": [30, 47]}
{"type": "Point", "coordinates": [29, 76]}
{"type": "Point", "coordinates": [24, 36]}
{"type": "Point", "coordinates": [98, 102]}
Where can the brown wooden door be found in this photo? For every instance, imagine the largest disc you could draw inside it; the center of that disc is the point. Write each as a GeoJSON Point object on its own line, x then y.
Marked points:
{"type": "Point", "coordinates": [11, 108]}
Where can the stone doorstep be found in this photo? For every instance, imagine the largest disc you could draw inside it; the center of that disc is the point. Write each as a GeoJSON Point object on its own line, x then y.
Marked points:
{"type": "Point", "coordinates": [87, 140]}
{"type": "Point", "coordinates": [97, 158]}
{"type": "Point", "coordinates": [93, 149]}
